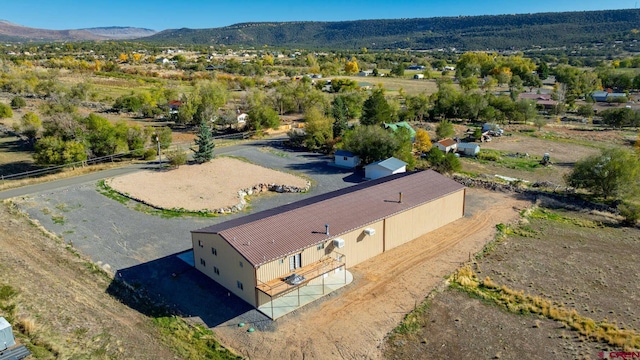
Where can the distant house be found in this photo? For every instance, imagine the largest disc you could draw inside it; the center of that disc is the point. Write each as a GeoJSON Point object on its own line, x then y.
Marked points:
{"type": "Point", "coordinates": [606, 96]}
{"type": "Point", "coordinates": [162, 61]}
{"type": "Point", "coordinates": [416, 67]}
{"type": "Point", "coordinates": [174, 106]}
{"type": "Point", "coordinates": [383, 168]}
{"type": "Point", "coordinates": [402, 124]}
{"type": "Point", "coordinates": [447, 145]}
{"type": "Point", "coordinates": [365, 73]}
{"type": "Point", "coordinates": [542, 100]}
{"type": "Point", "coordinates": [449, 68]}
{"type": "Point", "coordinates": [346, 159]}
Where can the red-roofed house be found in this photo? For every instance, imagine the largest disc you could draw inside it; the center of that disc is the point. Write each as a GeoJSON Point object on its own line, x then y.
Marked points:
{"type": "Point", "coordinates": [257, 257]}
{"type": "Point", "coordinates": [447, 145]}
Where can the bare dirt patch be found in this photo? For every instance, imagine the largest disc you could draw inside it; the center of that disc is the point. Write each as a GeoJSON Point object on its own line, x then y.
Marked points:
{"type": "Point", "coordinates": [575, 260]}
{"type": "Point", "coordinates": [354, 322]}
{"type": "Point", "coordinates": [208, 186]}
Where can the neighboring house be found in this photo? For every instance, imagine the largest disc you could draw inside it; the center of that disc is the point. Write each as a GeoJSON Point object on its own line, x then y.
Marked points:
{"type": "Point", "coordinates": [242, 118]}
{"type": "Point", "coordinates": [402, 124]}
{"type": "Point", "coordinates": [447, 145]}
{"type": "Point", "coordinates": [384, 168]}
{"type": "Point", "coordinates": [346, 159]}
{"type": "Point", "coordinates": [416, 67]}
{"type": "Point", "coordinates": [605, 96]}
{"type": "Point", "coordinates": [542, 100]}
{"type": "Point", "coordinates": [365, 73]}
{"type": "Point", "coordinates": [174, 106]}
{"type": "Point", "coordinates": [280, 259]}
{"type": "Point", "coordinates": [162, 61]}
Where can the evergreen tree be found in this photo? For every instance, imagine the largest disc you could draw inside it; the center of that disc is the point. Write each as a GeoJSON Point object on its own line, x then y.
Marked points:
{"type": "Point", "coordinates": [204, 143]}
{"type": "Point", "coordinates": [340, 113]}
{"type": "Point", "coordinates": [376, 109]}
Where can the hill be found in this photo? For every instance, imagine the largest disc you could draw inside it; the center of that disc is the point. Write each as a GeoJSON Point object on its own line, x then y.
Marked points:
{"type": "Point", "coordinates": [121, 32]}
{"type": "Point", "coordinates": [468, 33]}
{"type": "Point", "coordinates": [14, 32]}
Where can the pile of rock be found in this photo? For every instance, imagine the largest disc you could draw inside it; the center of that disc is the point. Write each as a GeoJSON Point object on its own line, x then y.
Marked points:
{"type": "Point", "coordinates": [257, 189]}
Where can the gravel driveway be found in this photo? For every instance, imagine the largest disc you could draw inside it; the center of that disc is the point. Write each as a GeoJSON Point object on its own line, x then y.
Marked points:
{"type": "Point", "coordinates": [118, 237]}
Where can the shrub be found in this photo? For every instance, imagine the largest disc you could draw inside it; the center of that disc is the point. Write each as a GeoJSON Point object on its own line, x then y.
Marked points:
{"type": "Point", "coordinates": [489, 155]}
{"type": "Point", "coordinates": [149, 154]}
{"type": "Point", "coordinates": [18, 102]}
{"type": "Point", "coordinates": [630, 214]}
{"type": "Point", "coordinates": [5, 111]}
{"type": "Point", "coordinates": [177, 157]}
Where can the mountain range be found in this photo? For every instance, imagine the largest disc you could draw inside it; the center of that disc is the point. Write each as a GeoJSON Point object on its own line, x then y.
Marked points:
{"type": "Point", "coordinates": [495, 32]}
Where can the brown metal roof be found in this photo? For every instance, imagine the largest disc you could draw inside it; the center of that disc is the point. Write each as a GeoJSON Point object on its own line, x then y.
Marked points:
{"type": "Point", "coordinates": [272, 234]}
{"type": "Point", "coordinates": [447, 142]}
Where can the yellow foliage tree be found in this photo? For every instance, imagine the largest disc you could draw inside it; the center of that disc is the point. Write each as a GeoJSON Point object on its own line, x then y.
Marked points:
{"type": "Point", "coordinates": [351, 67]}
{"type": "Point", "coordinates": [268, 59]}
{"type": "Point", "coordinates": [123, 57]}
{"type": "Point", "coordinates": [137, 57]}
{"type": "Point", "coordinates": [423, 141]}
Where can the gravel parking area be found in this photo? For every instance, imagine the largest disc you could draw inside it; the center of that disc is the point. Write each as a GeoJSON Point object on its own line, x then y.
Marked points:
{"type": "Point", "coordinates": [118, 237]}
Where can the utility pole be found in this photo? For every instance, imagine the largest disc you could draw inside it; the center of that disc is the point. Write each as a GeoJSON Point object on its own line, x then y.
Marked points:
{"type": "Point", "coordinates": [159, 153]}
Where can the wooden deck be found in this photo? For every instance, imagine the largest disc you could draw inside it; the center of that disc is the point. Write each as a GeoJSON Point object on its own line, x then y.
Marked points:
{"type": "Point", "coordinates": [277, 286]}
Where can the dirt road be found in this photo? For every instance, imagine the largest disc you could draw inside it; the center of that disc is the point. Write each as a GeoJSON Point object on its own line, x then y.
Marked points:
{"type": "Point", "coordinates": [352, 323]}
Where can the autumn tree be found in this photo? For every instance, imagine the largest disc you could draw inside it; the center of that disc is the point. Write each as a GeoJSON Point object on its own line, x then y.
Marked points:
{"type": "Point", "coordinates": [351, 66]}
{"type": "Point", "coordinates": [423, 141]}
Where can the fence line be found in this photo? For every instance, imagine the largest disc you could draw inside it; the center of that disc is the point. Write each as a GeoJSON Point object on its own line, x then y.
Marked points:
{"type": "Point", "coordinates": [102, 159]}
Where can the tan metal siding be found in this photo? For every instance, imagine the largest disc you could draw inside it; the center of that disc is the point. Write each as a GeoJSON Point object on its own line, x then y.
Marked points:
{"type": "Point", "coordinates": [227, 261]}
{"type": "Point", "coordinates": [411, 224]}
{"type": "Point", "coordinates": [280, 267]}
{"type": "Point", "coordinates": [359, 246]}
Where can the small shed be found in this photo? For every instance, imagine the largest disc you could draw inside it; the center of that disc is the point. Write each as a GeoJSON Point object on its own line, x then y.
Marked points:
{"type": "Point", "coordinates": [242, 118]}
{"type": "Point", "coordinates": [6, 335]}
{"type": "Point", "coordinates": [346, 159]}
{"type": "Point", "coordinates": [383, 168]}
{"type": "Point", "coordinates": [468, 149]}
{"type": "Point", "coordinates": [447, 145]}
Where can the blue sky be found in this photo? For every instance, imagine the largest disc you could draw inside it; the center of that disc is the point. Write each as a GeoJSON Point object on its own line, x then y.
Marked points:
{"type": "Point", "coordinates": [172, 14]}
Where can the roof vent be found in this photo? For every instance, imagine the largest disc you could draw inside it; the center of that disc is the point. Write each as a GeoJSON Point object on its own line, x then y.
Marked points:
{"type": "Point", "coordinates": [400, 197]}
{"type": "Point", "coordinates": [326, 229]}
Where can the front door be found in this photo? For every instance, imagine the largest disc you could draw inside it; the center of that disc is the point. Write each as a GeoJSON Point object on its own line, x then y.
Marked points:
{"type": "Point", "coordinates": [295, 262]}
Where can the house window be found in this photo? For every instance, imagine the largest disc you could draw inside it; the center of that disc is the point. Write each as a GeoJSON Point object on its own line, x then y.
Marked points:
{"type": "Point", "coordinates": [202, 262]}
{"type": "Point", "coordinates": [200, 243]}
{"type": "Point", "coordinates": [214, 251]}
{"type": "Point", "coordinates": [241, 264]}
{"type": "Point", "coordinates": [281, 261]}
{"type": "Point", "coordinates": [240, 286]}
{"type": "Point", "coordinates": [320, 246]}
{"type": "Point", "coordinates": [345, 158]}
{"type": "Point", "coordinates": [216, 270]}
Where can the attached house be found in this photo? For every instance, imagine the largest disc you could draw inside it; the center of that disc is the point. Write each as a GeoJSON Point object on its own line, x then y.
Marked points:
{"type": "Point", "coordinates": [542, 100]}
{"type": "Point", "coordinates": [384, 168]}
{"type": "Point", "coordinates": [280, 259]}
{"type": "Point", "coordinates": [346, 159]}
{"type": "Point", "coordinates": [447, 145]}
